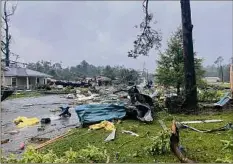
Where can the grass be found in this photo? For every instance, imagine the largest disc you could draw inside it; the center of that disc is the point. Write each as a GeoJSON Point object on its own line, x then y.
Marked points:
{"type": "Point", "coordinates": [24, 94]}
{"type": "Point", "coordinates": [201, 147]}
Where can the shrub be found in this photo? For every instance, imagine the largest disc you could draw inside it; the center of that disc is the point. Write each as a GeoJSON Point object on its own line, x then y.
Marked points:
{"type": "Point", "coordinates": [44, 87]}
{"type": "Point", "coordinates": [160, 145]}
{"type": "Point", "coordinates": [209, 95]}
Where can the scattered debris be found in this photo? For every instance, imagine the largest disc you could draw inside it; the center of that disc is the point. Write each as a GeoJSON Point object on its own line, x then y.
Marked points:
{"type": "Point", "coordinates": [65, 111]}
{"type": "Point", "coordinates": [38, 140]}
{"type": "Point", "coordinates": [111, 136]}
{"type": "Point", "coordinates": [45, 120]}
{"type": "Point", "coordinates": [78, 91]}
{"type": "Point", "coordinates": [24, 121]}
{"type": "Point", "coordinates": [104, 124]}
{"type": "Point", "coordinates": [22, 146]}
{"type": "Point", "coordinates": [5, 141]}
{"type": "Point", "coordinates": [224, 100]}
{"type": "Point", "coordinates": [197, 122]}
{"type": "Point", "coordinates": [28, 105]}
{"type": "Point", "coordinates": [42, 128]}
{"type": "Point", "coordinates": [70, 96]}
{"type": "Point", "coordinates": [140, 106]}
{"type": "Point", "coordinates": [55, 110]}
{"type": "Point", "coordinates": [224, 128]}
{"type": "Point", "coordinates": [163, 125]}
{"type": "Point", "coordinates": [130, 132]}
{"type": "Point", "coordinates": [13, 132]}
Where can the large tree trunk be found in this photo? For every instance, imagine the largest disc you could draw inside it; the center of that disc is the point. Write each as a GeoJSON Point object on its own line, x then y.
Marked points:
{"type": "Point", "coordinates": [178, 89]}
{"type": "Point", "coordinates": [222, 73]}
{"type": "Point", "coordinates": [190, 77]}
{"type": "Point", "coordinates": [7, 41]}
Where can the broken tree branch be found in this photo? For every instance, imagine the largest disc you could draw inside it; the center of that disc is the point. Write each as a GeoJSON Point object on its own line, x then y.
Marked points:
{"type": "Point", "coordinates": [148, 38]}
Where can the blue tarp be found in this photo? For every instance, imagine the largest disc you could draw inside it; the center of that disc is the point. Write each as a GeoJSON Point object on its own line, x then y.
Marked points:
{"type": "Point", "coordinates": [91, 113]}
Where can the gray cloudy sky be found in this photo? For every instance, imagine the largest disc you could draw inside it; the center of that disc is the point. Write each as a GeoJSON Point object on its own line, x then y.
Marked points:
{"type": "Point", "coordinates": [103, 32]}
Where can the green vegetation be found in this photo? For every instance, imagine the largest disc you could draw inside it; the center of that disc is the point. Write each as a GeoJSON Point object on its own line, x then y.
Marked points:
{"type": "Point", "coordinates": [82, 70]}
{"type": "Point", "coordinates": [89, 154]}
{"type": "Point", "coordinates": [201, 147]}
{"type": "Point", "coordinates": [90, 146]}
{"type": "Point", "coordinates": [23, 94]}
{"type": "Point", "coordinates": [228, 146]}
{"type": "Point", "coordinates": [170, 70]}
{"type": "Point", "coordinates": [210, 95]}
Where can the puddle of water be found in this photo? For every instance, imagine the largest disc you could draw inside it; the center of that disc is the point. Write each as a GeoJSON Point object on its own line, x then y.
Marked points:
{"type": "Point", "coordinates": [11, 109]}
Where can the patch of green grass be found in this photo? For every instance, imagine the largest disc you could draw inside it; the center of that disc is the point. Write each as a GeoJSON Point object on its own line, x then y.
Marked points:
{"type": "Point", "coordinates": [201, 147]}
{"type": "Point", "coordinates": [205, 147]}
{"type": "Point", "coordinates": [25, 94]}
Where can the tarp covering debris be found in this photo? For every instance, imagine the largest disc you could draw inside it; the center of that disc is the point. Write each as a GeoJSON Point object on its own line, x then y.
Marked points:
{"type": "Point", "coordinates": [92, 113]}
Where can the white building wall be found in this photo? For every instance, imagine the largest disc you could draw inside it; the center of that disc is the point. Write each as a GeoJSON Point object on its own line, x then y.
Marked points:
{"type": "Point", "coordinates": [7, 81]}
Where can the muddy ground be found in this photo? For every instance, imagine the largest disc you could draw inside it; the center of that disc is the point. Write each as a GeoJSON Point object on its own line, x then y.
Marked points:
{"type": "Point", "coordinates": [39, 107]}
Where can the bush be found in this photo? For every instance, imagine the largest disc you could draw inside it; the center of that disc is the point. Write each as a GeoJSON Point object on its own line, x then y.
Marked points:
{"type": "Point", "coordinates": [68, 88]}
{"type": "Point", "coordinates": [160, 145]}
{"type": "Point", "coordinates": [44, 87]}
{"type": "Point", "coordinates": [87, 155]}
{"type": "Point", "coordinates": [209, 95]}
{"type": "Point", "coordinates": [228, 148]}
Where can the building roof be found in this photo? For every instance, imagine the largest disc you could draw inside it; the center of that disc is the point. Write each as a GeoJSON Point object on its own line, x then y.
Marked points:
{"type": "Point", "coordinates": [23, 72]}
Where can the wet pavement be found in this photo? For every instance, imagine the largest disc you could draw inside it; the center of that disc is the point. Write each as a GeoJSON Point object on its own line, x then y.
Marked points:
{"type": "Point", "coordinates": [39, 107]}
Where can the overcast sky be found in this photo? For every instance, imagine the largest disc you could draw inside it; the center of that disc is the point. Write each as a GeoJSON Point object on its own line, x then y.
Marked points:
{"type": "Point", "coordinates": [103, 32]}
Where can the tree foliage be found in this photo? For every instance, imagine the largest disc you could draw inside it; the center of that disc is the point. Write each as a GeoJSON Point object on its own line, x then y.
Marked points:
{"type": "Point", "coordinates": [84, 69]}
{"type": "Point", "coordinates": [213, 71]}
{"type": "Point", "coordinates": [170, 70]}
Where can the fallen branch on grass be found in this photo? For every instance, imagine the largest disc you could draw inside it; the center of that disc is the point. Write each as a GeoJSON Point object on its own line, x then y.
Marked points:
{"type": "Point", "coordinates": [224, 128]}
{"type": "Point", "coordinates": [174, 145]}
{"type": "Point", "coordinates": [124, 143]}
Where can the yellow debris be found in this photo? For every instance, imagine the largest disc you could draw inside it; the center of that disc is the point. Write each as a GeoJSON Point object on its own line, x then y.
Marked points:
{"type": "Point", "coordinates": [24, 121]}
{"type": "Point", "coordinates": [104, 124]}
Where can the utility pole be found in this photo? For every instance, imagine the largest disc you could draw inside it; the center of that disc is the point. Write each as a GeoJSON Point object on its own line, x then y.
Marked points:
{"type": "Point", "coordinates": [190, 76]}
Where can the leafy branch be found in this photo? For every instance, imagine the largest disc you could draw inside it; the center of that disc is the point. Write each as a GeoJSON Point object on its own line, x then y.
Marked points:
{"type": "Point", "coordinates": [148, 38]}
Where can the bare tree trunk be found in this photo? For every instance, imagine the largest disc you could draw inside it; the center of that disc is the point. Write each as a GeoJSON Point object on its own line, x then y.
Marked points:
{"type": "Point", "coordinates": [6, 43]}
{"type": "Point", "coordinates": [190, 77]}
{"type": "Point", "coordinates": [178, 89]}
{"type": "Point", "coordinates": [222, 74]}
